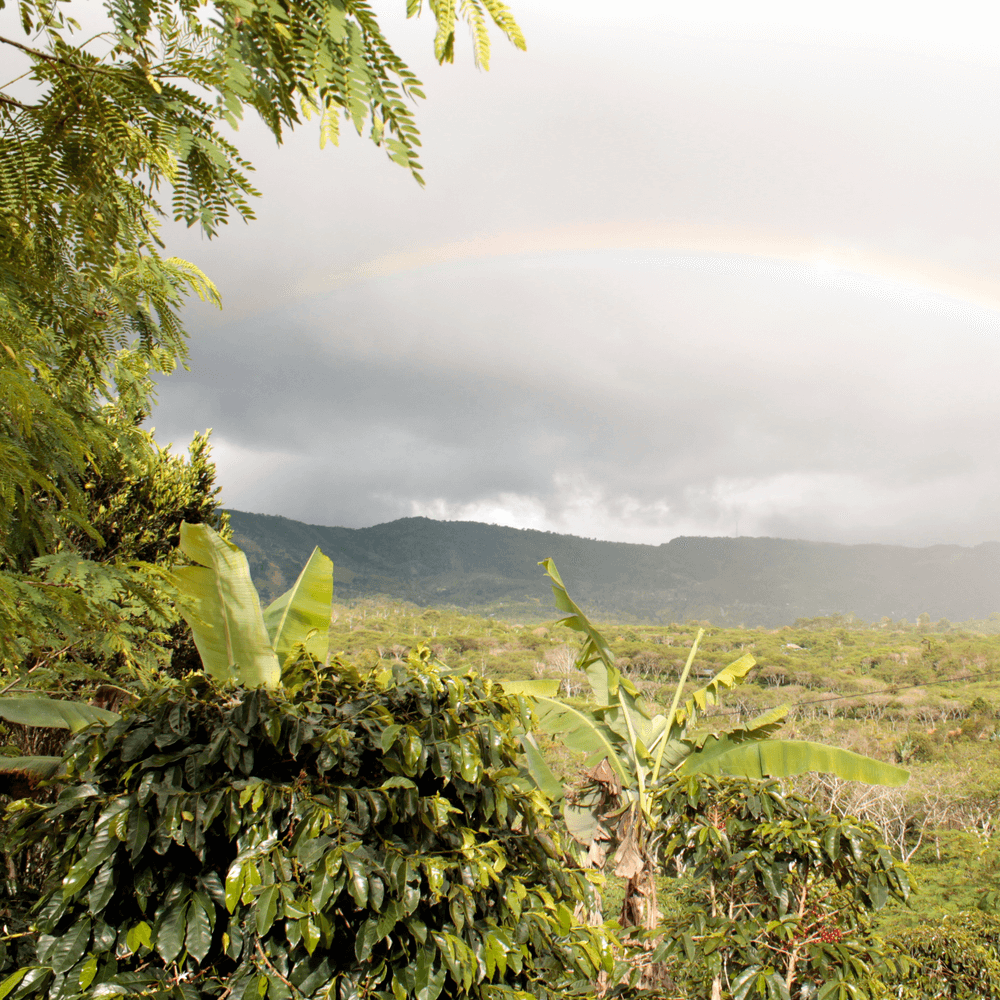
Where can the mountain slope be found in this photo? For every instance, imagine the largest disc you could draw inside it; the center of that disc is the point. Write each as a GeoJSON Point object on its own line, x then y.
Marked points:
{"type": "Point", "coordinates": [755, 581]}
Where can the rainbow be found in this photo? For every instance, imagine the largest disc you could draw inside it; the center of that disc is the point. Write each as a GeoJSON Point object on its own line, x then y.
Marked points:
{"type": "Point", "coordinates": [683, 240]}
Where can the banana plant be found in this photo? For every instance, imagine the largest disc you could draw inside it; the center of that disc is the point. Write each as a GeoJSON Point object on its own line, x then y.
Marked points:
{"type": "Point", "coordinates": [236, 641]}
{"type": "Point", "coordinates": [630, 748]}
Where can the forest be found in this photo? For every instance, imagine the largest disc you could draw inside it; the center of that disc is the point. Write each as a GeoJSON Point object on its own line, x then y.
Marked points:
{"type": "Point", "coordinates": [749, 581]}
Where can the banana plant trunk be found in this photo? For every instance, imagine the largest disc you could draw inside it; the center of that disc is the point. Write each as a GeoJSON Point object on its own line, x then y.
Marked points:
{"type": "Point", "coordinates": [640, 907]}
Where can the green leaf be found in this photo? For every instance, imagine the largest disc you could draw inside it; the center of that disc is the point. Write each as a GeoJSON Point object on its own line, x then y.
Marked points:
{"type": "Point", "coordinates": [596, 646]}
{"type": "Point", "coordinates": [53, 714]}
{"type": "Point", "coordinates": [784, 758]}
{"type": "Point", "coordinates": [389, 736]}
{"type": "Point", "coordinates": [226, 619]}
{"type": "Point", "coordinates": [30, 768]}
{"type": "Point", "coordinates": [87, 973]}
{"type": "Point", "coordinates": [310, 933]}
{"type": "Point", "coordinates": [367, 938]}
{"type": "Point", "coordinates": [539, 769]}
{"type": "Point", "coordinates": [358, 884]}
{"type": "Point", "coordinates": [170, 932]}
{"type": "Point", "coordinates": [139, 935]}
{"type": "Point", "coordinates": [199, 932]}
{"type": "Point", "coordinates": [69, 948]}
{"type": "Point", "coordinates": [234, 885]}
{"type": "Point", "coordinates": [583, 732]}
{"type": "Point", "coordinates": [729, 677]}
{"type": "Point", "coordinates": [546, 687]}
{"type": "Point", "coordinates": [266, 909]}
{"type": "Point", "coordinates": [11, 981]}
{"type": "Point", "coordinates": [304, 608]}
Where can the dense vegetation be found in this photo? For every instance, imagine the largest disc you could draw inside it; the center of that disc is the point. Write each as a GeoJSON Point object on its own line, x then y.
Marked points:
{"type": "Point", "coordinates": [740, 581]}
{"type": "Point", "coordinates": [838, 935]}
{"type": "Point", "coordinates": [901, 691]}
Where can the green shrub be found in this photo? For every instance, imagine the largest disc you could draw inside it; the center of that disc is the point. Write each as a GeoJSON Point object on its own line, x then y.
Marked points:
{"type": "Point", "coordinates": [957, 959]}
{"type": "Point", "coordinates": [777, 895]}
{"type": "Point", "coordinates": [343, 836]}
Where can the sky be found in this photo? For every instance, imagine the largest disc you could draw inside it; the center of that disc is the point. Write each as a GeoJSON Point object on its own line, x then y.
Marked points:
{"type": "Point", "coordinates": [708, 268]}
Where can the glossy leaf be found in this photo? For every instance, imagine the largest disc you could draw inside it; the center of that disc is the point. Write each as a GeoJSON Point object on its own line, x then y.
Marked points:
{"type": "Point", "coordinates": [267, 909]}
{"type": "Point", "coordinates": [69, 948]}
{"type": "Point", "coordinates": [303, 609]}
{"type": "Point", "coordinates": [170, 931]}
{"type": "Point", "coordinates": [198, 939]}
{"type": "Point", "coordinates": [225, 619]}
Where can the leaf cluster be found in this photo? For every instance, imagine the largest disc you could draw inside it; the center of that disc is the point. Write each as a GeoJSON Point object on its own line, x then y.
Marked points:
{"type": "Point", "coordinates": [342, 835]}
{"type": "Point", "coordinates": [957, 958]}
{"type": "Point", "coordinates": [97, 607]}
{"type": "Point", "coordinates": [776, 893]}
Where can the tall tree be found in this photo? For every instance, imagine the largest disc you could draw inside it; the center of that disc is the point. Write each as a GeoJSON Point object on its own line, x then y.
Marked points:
{"type": "Point", "coordinates": [90, 133]}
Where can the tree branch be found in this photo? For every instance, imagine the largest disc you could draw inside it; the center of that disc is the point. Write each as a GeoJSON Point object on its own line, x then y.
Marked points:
{"type": "Point", "coordinates": [59, 60]}
{"type": "Point", "coordinates": [267, 962]}
{"type": "Point", "coordinates": [16, 104]}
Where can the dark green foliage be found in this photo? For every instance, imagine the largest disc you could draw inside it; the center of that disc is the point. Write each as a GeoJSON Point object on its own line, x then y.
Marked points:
{"type": "Point", "coordinates": [344, 836]}
{"type": "Point", "coordinates": [776, 894]}
{"type": "Point", "coordinates": [956, 958]}
{"type": "Point", "coordinates": [694, 580]}
{"type": "Point", "coordinates": [108, 613]}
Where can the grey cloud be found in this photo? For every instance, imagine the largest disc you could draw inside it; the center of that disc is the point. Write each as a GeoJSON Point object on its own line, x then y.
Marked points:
{"type": "Point", "coordinates": [621, 395]}
{"type": "Point", "coordinates": [650, 386]}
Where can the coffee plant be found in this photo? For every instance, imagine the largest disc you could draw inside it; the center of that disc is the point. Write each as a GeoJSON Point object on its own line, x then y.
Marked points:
{"type": "Point", "coordinates": [775, 894]}
{"type": "Point", "coordinates": [341, 835]}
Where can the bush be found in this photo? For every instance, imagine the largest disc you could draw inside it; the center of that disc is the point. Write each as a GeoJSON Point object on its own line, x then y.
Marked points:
{"type": "Point", "coordinates": [777, 895]}
{"type": "Point", "coordinates": [344, 836]}
{"type": "Point", "coordinates": [957, 959]}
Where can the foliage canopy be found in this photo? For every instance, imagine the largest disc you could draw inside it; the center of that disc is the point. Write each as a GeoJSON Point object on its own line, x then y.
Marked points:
{"type": "Point", "coordinates": [368, 835]}
{"type": "Point", "coordinates": [92, 133]}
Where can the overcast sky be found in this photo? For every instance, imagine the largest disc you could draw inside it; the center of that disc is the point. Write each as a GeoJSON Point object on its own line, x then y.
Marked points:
{"type": "Point", "coordinates": [698, 268]}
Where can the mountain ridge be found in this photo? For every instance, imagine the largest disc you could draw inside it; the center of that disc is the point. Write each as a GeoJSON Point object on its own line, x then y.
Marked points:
{"type": "Point", "coordinates": [751, 581]}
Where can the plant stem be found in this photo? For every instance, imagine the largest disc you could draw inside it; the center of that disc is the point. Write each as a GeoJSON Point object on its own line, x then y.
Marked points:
{"type": "Point", "coordinates": [673, 707]}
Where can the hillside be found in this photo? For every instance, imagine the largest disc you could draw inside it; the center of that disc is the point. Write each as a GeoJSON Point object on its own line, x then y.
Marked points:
{"type": "Point", "coordinates": [738, 581]}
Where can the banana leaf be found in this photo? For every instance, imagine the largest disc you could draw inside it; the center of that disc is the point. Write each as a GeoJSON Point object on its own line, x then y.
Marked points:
{"type": "Point", "coordinates": [581, 731]}
{"type": "Point", "coordinates": [760, 727]}
{"type": "Point", "coordinates": [19, 776]}
{"type": "Point", "coordinates": [225, 617]}
{"type": "Point", "coordinates": [53, 714]}
{"type": "Point", "coordinates": [547, 687]}
{"type": "Point", "coordinates": [784, 758]}
{"type": "Point", "coordinates": [539, 769]}
{"type": "Point", "coordinates": [596, 647]}
{"type": "Point", "coordinates": [302, 614]}
{"type": "Point", "coordinates": [728, 677]}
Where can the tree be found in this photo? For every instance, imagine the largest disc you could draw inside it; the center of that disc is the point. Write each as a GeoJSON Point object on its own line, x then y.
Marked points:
{"type": "Point", "coordinates": [776, 894]}
{"type": "Point", "coordinates": [89, 306]}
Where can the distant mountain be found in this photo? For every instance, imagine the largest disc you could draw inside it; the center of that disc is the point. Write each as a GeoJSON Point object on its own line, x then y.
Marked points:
{"type": "Point", "coordinates": [751, 581]}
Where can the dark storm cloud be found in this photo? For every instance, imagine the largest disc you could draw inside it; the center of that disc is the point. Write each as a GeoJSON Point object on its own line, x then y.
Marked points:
{"type": "Point", "coordinates": [625, 395]}
{"type": "Point", "coordinates": [654, 393]}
